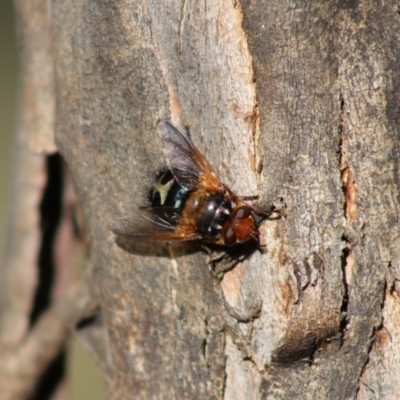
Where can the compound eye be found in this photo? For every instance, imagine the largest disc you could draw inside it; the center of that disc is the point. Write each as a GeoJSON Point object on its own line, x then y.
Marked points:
{"type": "Point", "coordinates": [230, 237]}
{"type": "Point", "coordinates": [242, 212]}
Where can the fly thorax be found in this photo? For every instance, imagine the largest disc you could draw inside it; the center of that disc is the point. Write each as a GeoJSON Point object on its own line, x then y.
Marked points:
{"type": "Point", "coordinates": [215, 214]}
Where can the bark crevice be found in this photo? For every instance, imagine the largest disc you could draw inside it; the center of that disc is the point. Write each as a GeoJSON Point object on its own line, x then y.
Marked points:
{"type": "Point", "coordinates": [50, 216]}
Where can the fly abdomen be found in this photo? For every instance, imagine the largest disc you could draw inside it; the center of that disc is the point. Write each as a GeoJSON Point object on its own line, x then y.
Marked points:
{"type": "Point", "coordinates": [168, 192]}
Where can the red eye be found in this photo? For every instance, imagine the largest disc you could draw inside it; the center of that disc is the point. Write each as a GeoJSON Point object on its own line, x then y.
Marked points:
{"type": "Point", "coordinates": [242, 212]}
{"type": "Point", "coordinates": [230, 237]}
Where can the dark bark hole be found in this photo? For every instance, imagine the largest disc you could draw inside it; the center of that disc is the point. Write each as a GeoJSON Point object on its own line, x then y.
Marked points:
{"type": "Point", "coordinates": [50, 215]}
{"type": "Point", "coordinates": [296, 350]}
{"type": "Point", "coordinates": [51, 378]}
{"type": "Point", "coordinates": [90, 321]}
{"type": "Point", "coordinates": [204, 348]}
{"type": "Point", "coordinates": [345, 301]}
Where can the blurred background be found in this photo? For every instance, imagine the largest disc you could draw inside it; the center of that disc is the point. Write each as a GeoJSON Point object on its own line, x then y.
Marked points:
{"type": "Point", "coordinates": [84, 377]}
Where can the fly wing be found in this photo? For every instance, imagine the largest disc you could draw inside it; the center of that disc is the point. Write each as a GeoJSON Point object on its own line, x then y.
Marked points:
{"type": "Point", "coordinates": [157, 223]}
{"type": "Point", "coordinates": [187, 164]}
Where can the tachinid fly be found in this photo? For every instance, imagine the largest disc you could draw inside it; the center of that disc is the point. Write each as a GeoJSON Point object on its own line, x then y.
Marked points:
{"type": "Point", "coordinates": [188, 201]}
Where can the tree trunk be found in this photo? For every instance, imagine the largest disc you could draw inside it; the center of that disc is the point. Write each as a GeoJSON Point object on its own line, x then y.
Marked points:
{"type": "Point", "coordinates": [295, 100]}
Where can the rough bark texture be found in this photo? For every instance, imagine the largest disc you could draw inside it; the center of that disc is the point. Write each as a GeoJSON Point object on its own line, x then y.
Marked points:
{"type": "Point", "coordinates": [298, 100]}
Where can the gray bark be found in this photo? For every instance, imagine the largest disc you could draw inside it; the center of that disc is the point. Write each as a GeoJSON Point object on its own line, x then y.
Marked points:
{"type": "Point", "coordinates": [298, 100]}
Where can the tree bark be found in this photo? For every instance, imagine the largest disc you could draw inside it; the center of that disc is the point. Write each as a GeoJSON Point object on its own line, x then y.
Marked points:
{"type": "Point", "coordinates": [295, 100]}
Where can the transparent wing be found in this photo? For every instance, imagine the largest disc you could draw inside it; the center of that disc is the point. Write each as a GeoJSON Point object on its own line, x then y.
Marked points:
{"type": "Point", "coordinates": [186, 162]}
{"type": "Point", "coordinates": [158, 223]}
